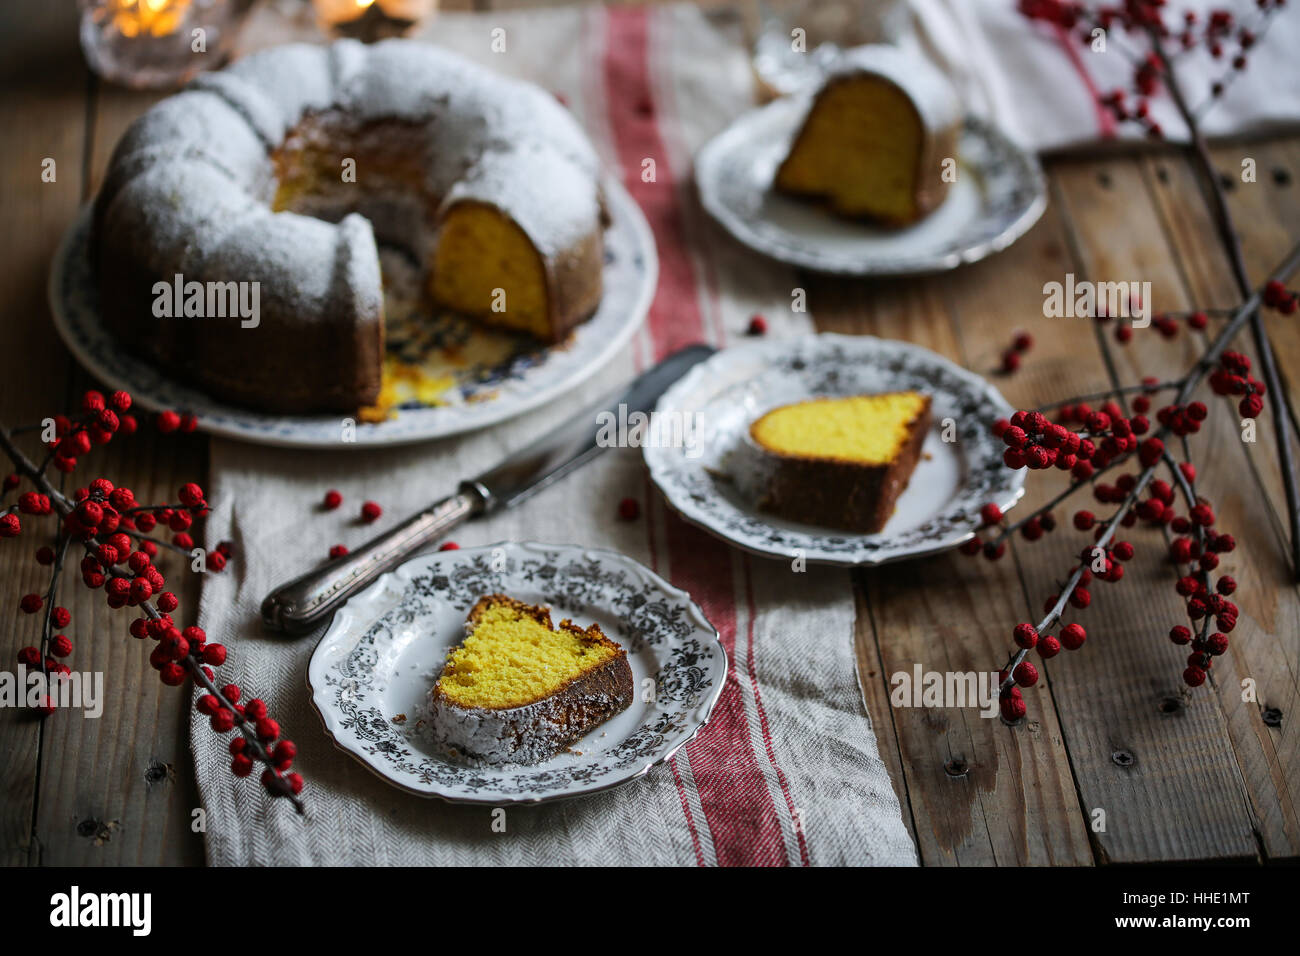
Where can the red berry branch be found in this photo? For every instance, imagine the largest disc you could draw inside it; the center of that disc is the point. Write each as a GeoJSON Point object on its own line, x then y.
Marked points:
{"type": "Point", "coordinates": [1230, 37]}
{"type": "Point", "coordinates": [1089, 443]}
{"type": "Point", "coordinates": [112, 530]}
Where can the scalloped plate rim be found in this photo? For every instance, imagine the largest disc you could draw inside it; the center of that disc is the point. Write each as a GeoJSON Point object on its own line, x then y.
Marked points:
{"type": "Point", "coordinates": [658, 462]}
{"type": "Point", "coordinates": [734, 136]}
{"type": "Point", "coordinates": [350, 613]}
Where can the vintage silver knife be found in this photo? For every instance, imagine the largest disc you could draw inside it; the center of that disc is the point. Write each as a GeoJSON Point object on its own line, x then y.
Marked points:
{"type": "Point", "coordinates": [298, 606]}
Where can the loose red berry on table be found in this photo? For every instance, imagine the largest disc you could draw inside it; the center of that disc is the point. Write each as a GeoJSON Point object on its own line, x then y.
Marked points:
{"type": "Point", "coordinates": [1023, 342]}
{"type": "Point", "coordinates": [1010, 361]}
{"type": "Point", "coordinates": [449, 546]}
{"type": "Point", "coordinates": [629, 509]}
{"type": "Point", "coordinates": [332, 500]}
{"type": "Point", "coordinates": [370, 511]}
{"type": "Point", "coordinates": [216, 561]}
{"type": "Point", "coordinates": [168, 422]}
{"type": "Point", "coordinates": [757, 325]}
{"type": "Point", "coordinates": [338, 551]}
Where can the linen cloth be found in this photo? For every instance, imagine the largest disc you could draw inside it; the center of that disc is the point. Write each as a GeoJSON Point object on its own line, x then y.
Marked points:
{"type": "Point", "coordinates": [788, 771]}
{"type": "Point", "coordinates": [1042, 86]}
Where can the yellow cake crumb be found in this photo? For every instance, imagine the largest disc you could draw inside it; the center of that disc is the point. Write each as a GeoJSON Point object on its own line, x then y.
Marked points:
{"type": "Point", "coordinates": [511, 658]}
{"type": "Point", "coordinates": [866, 429]}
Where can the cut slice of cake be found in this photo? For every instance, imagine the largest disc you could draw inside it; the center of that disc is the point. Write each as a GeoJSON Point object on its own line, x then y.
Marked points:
{"type": "Point", "coordinates": [876, 138]}
{"type": "Point", "coordinates": [837, 462]}
{"type": "Point", "coordinates": [518, 690]}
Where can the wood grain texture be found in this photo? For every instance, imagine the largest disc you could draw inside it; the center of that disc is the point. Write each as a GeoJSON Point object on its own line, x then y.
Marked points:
{"type": "Point", "coordinates": [978, 792]}
{"type": "Point", "coordinates": [1181, 775]}
{"type": "Point", "coordinates": [1245, 487]}
{"type": "Point", "coordinates": [1172, 798]}
{"type": "Point", "coordinates": [45, 99]}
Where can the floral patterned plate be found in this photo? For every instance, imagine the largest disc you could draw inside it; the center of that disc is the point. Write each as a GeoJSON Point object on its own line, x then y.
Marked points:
{"type": "Point", "coordinates": [370, 675]}
{"type": "Point", "coordinates": [998, 194]}
{"type": "Point", "coordinates": [480, 394]}
{"type": "Point", "coordinates": [960, 470]}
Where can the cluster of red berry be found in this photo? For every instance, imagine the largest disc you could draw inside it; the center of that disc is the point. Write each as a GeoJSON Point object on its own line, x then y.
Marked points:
{"type": "Point", "coordinates": [1220, 32]}
{"type": "Point", "coordinates": [1087, 442]}
{"type": "Point", "coordinates": [113, 528]}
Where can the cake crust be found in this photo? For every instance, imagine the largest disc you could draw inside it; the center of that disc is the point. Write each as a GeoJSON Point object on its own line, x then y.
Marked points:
{"type": "Point", "coordinates": [837, 493]}
{"type": "Point", "coordinates": [932, 106]}
{"type": "Point", "coordinates": [535, 731]}
{"type": "Point", "coordinates": [194, 188]}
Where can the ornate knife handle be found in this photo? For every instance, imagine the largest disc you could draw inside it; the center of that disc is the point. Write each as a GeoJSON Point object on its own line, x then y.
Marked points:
{"type": "Point", "coordinates": [298, 606]}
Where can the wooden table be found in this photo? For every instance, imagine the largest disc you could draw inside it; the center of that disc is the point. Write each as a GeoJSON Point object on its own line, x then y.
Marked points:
{"type": "Point", "coordinates": [1112, 733]}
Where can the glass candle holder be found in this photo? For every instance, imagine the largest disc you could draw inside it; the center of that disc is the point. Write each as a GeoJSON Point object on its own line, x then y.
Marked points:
{"type": "Point", "coordinates": [799, 39]}
{"type": "Point", "coordinates": [371, 20]}
{"type": "Point", "coordinates": [158, 44]}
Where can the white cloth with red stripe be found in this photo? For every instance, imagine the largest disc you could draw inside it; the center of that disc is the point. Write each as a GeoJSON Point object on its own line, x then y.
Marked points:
{"type": "Point", "coordinates": [1041, 85]}
{"type": "Point", "coordinates": [788, 771]}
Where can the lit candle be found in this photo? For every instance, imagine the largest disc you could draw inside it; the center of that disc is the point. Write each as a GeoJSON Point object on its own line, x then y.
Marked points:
{"type": "Point", "coordinates": [159, 44]}
{"type": "Point", "coordinates": [157, 18]}
{"type": "Point", "coordinates": [381, 17]}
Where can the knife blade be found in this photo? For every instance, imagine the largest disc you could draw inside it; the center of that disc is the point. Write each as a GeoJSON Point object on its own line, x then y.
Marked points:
{"type": "Point", "coordinates": [298, 606]}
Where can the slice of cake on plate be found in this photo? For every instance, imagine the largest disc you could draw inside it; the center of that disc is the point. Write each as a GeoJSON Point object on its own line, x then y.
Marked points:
{"type": "Point", "coordinates": [519, 690]}
{"type": "Point", "coordinates": [876, 138]}
{"type": "Point", "coordinates": [834, 462]}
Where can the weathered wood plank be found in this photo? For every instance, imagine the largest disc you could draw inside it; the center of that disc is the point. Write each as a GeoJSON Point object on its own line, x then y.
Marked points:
{"type": "Point", "coordinates": [979, 792]}
{"type": "Point", "coordinates": [1178, 793]}
{"type": "Point", "coordinates": [42, 94]}
{"type": "Point", "coordinates": [120, 790]}
{"type": "Point", "coordinates": [1245, 486]}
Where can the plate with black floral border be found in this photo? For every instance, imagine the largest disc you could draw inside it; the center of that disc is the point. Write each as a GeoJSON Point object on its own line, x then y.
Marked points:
{"type": "Point", "coordinates": [960, 470]}
{"type": "Point", "coordinates": [370, 675]}
{"type": "Point", "coordinates": [999, 192]}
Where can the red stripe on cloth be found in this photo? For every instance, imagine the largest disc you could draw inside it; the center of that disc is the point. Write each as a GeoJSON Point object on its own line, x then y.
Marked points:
{"type": "Point", "coordinates": [675, 318]}
{"type": "Point", "coordinates": [1105, 118]}
{"type": "Point", "coordinates": [734, 796]}
{"type": "Point", "coordinates": [762, 721]}
{"type": "Point", "coordinates": [733, 791]}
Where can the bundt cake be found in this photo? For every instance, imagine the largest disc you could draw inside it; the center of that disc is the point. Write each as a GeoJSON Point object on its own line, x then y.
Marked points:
{"type": "Point", "coordinates": [836, 462]}
{"type": "Point", "coordinates": [875, 138]}
{"type": "Point", "coordinates": [287, 168]}
{"type": "Point", "coordinates": [518, 690]}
